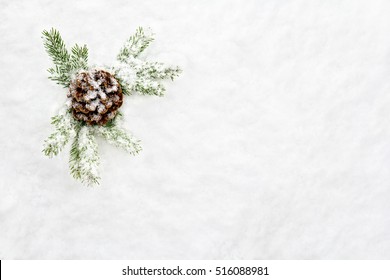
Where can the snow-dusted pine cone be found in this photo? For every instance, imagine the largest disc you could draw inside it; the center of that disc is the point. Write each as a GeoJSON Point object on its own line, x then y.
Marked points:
{"type": "Point", "coordinates": [95, 97]}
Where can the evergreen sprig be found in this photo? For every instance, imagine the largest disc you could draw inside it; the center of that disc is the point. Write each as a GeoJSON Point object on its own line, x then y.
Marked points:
{"type": "Point", "coordinates": [126, 86]}
{"type": "Point", "coordinates": [79, 57]}
{"type": "Point", "coordinates": [74, 158]}
{"type": "Point", "coordinates": [120, 138]}
{"type": "Point", "coordinates": [136, 75]}
{"type": "Point", "coordinates": [157, 70]}
{"type": "Point", "coordinates": [135, 45]}
{"type": "Point", "coordinates": [65, 63]}
{"type": "Point", "coordinates": [84, 157]}
{"type": "Point", "coordinates": [64, 125]}
{"type": "Point", "coordinates": [147, 86]}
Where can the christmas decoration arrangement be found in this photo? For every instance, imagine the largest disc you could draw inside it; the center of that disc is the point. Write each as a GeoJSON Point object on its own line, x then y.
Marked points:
{"type": "Point", "coordinates": [95, 96]}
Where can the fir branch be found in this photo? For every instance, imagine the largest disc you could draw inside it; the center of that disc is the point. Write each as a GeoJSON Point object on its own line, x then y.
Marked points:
{"type": "Point", "coordinates": [157, 70]}
{"type": "Point", "coordinates": [126, 87]}
{"type": "Point", "coordinates": [126, 75]}
{"type": "Point", "coordinates": [64, 63]}
{"type": "Point", "coordinates": [120, 138]}
{"type": "Point", "coordinates": [74, 158]}
{"type": "Point", "coordinates": [59, 76]}
{"type": "Point", "coordinates": [115, 120]}
{"type": "Point", "coordinates": [84, 157]}
{"type": "Point", "coordinates": [135, 45]}
{"type": "Point", "coordinates": [79, 58]}
{"type": "Point", "coordinates": [60, 56]}
{"type": "Point", "coordinates": [64, 128]}
{"type": "Point", "coordinates": [147, 86]}
{"type": "Point", "coordinates": [56, 48]}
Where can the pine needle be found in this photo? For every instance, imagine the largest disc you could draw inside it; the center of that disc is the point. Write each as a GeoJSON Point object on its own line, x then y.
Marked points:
{"type": "Point", "coordinates": [64, 62]}
{"type": "Point", "coordinates": [136, 44]}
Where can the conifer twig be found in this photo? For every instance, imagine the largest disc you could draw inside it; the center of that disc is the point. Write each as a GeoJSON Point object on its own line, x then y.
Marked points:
{"type": "Point", "coordinates": [136, 44]}
{"type": "Point", "coordinates": [84, 157]}
{"type": "Point", "coordinates": [79, 57]}
{"type": "Point", "coordinates": [64, 62]}
{"type": "Point", "coordinates": [120, 138]}
{"type": "Point", "coordinates": [157, 70]}
{"type": "Point", "coordinates": [64, 129]}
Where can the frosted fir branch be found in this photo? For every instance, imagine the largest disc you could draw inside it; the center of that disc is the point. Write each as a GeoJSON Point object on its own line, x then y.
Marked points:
{"type": "Point", "coordinates": [64, 125]}
{"type": "Point", "coordinates": [147, 86]}
{"type": "Point", "coordinates": [126, 87]}
{"type": "Point", "coordinates": [120, 138]}
{"type": "Point", "coordinates": [135, 75]}
{"type": "Point", "coordinates": [84, 157]}
{"type": "Point", "coordinates": [126, 75]}
{"type": "Point", "coordinates": [65, 64]}
{"type": "Point", "coordinates": [135, 45]}
{"type": "Point", "coordinates": [157, 70]}
{"type": "Point", "coordinates": [144, 77]}
{"type": "Point", "coordinates": [59, 76]}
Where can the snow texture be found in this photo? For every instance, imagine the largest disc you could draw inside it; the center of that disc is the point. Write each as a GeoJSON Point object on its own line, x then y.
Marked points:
{"type": "Point", "coordinates": [274, 143]}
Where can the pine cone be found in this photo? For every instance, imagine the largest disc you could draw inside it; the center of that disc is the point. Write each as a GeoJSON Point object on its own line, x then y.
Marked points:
{"type": "Point", "coordinates": [96, 96]}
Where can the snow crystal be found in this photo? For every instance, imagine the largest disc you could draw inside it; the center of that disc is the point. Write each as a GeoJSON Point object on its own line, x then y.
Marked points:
{"type": "Point", "coordinates": [92, 106]}
{"type": "Point", "coordinates": [126, 73]}
{"type": "Point", "coordinates": [113, 81]}
{"type": "Point", "coordinates": [111, 89]}
{"type": "Point", "coordinates": [101, 108]}
{"type": "Point", "coordinates": [83, 136]}
{"type": "Point", "coordinates": [92, 80]}
{"type": "Point", "coordinates": [91, 94]}
{"type": "Point", "coordinates": [102, 95]}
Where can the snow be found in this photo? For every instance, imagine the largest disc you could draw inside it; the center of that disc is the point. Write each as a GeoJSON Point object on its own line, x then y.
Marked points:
{"type": "Point", "coordinates": [92, 106]}
{"type": "Point", "coordinates": [274, 143]}
{"type": "Point", "coordinates": [89, 162]}
{"type": "Point", "coordinates": [91, 94]}
{"type": "Point", "coordinates": [102, 95]}
{"type": "Point", "coordinates": [111, 89]}
{"type": "Point", "coordinates": [125, 72]}
{"type": "Point", "coordinates": [91, 80]}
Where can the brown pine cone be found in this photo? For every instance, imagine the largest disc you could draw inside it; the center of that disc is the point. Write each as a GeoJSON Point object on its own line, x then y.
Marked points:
{"type": "Point", "coordinates": [96, 96]}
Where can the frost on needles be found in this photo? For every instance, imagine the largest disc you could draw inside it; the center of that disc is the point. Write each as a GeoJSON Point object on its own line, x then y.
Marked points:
{"type": "Point", "coordinates": [137, 75]}
{"type": "Point", "coordinates": [134, 75]}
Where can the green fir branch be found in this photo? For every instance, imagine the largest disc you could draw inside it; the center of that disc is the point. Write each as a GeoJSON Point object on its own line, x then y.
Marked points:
{"type": "Point", "coordinates": [147, 86]}
{"type": "Point", "coordinates": [64, 62]}
{"type": "Point", "coordinates": [120, 138]}
{"type": "Point", "coordinates": [135, 45]}
{"type": "Point", "coordinates": [79, 57]}
{"type": "Point", "coordinates": [113, 122]}
{"type": "Point", "coordinates": [74, 158]}
{"type": "Point", "coordinates": [157, 70]}
{"type": "Point", "coordinates": [84, 157]}
{"type": "Point", "coordinates": [56, 48]}
{"type": "Point", "coordinates": [126, 88]}
{"type": "Point", "coordinates": [64, 128]}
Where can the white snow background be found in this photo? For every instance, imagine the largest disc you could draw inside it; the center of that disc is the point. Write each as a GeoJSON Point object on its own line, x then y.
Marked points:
{"type": "Point", "coordinates": [273, 144]}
